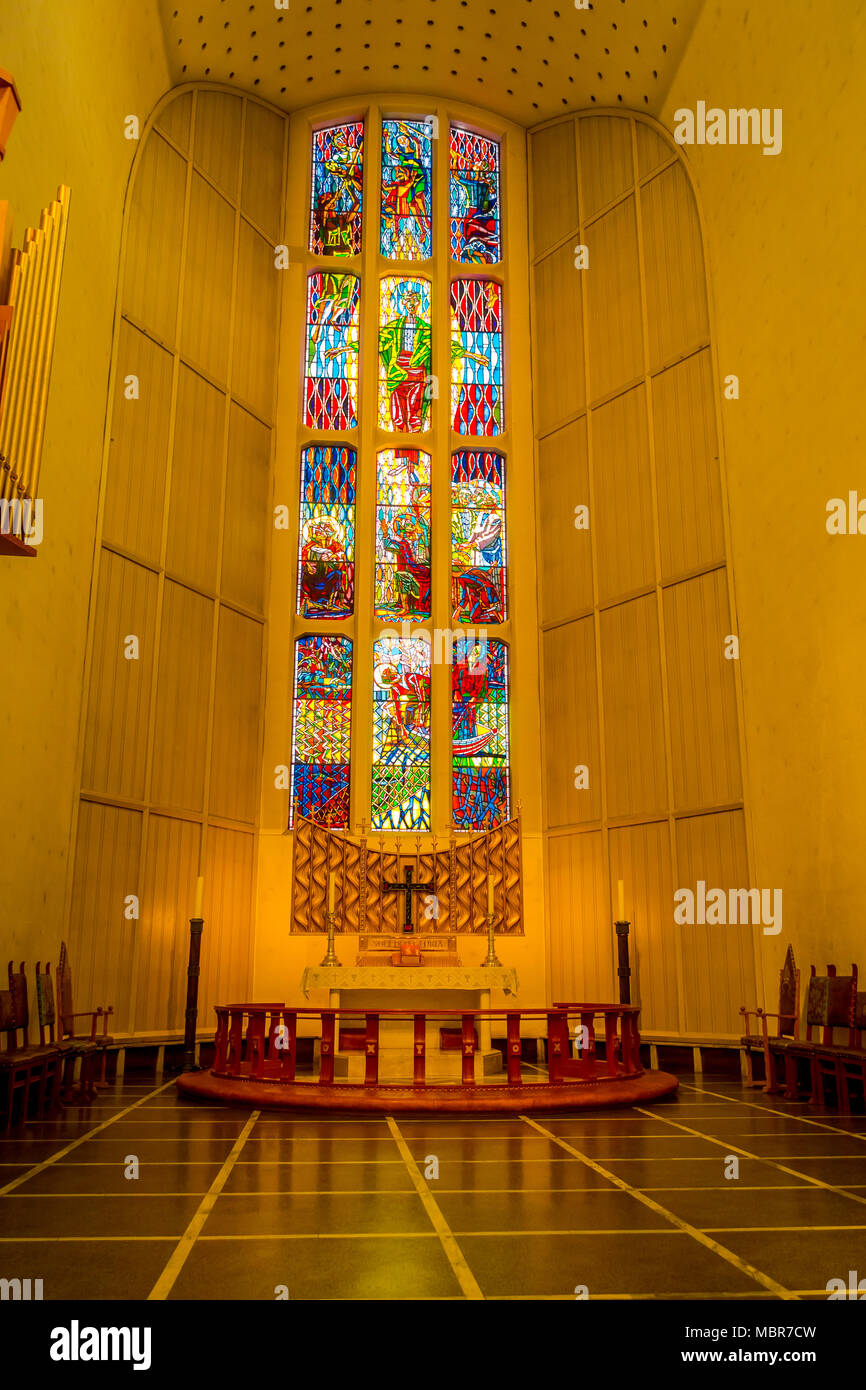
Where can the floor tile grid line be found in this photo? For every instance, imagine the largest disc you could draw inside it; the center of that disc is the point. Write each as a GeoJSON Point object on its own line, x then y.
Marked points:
{"type": "Point", "coordinates": [803, 1119]}
{"type": "Point", "coordinates": [457, 1260]}
{"type": "Point", "coordinates": [166, 1281]}
{"type": "Point", "coordinates": [68, 1148]}
{"type": "Point", "coordinates": [402, 1191]}
{"type": "Point", "coordinates": [774, 1163]}
{"type": "Point", "coordinates": [717, 1249]}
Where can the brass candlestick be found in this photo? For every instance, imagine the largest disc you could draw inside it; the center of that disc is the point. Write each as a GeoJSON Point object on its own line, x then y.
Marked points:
{"type": "Point", "coordinates": [492, 958]}
{"type": "Point", "coordinates": [331, 957]}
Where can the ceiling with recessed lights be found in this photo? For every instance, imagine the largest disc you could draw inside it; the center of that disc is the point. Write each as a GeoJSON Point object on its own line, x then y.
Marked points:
{"type": "Point", "coordinates": [527, 60]}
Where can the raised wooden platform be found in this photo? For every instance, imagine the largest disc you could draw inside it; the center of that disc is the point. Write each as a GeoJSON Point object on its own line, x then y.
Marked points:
{"type": "Point", "coordinates": [493, 1098]}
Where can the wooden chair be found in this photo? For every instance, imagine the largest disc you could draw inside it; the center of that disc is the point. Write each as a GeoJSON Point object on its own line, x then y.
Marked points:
{"type": "Point", "coordinates": [853, 1059]}
{"type": "Point", "coordinates": [787, 1026]}
{"type": "Point", "coordinates": [28, 1070]}
{"type": "Point", "coordinates": [67, 1014]}
{"type": "Point", "coordinates": [829, 1004]}
{"type": "Point", "coordinates": [64, 1070]}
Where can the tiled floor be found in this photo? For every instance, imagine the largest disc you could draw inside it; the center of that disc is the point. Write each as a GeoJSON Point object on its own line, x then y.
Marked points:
{"type": "Point", "coordinates": [629, 1203]}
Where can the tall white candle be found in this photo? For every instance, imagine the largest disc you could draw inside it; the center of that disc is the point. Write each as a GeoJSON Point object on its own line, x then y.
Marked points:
{"type": "Point", "coordinates": [620, 901]}
{"type": "Point", "coordinates": [332, 891]}
{"type": "Point", "coordinates": [199, 895]}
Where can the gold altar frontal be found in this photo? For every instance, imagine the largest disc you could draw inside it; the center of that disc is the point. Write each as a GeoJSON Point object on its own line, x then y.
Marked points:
{"type": "Point", "coordinates": [362, 987]}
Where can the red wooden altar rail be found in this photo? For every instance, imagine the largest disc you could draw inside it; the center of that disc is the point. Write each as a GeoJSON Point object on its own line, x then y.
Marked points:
{"type": "Point", "coordinates": [267, 1049]}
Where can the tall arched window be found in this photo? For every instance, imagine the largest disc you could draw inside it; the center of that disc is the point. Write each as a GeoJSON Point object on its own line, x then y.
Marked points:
{"type": "Point", "coordinates": [404, 346]}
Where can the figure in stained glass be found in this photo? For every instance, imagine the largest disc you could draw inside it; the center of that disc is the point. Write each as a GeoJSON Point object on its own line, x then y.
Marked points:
{"type": "Point", "coordinates": [407, 165]}
{"type": "Point", "coordinates": [475, 215]}
{"type": "Point", "coordinates": [402, 534]}
{"type": "Point", "coordinates": [478, 536]}
{"type": "Point", "coordinates": [326, 562]}
{"type": "Point", "coordinates": [401, 734]}
{"type": "Point", "coordinates": [336, 201]}
{"type": "Point", "coordinates": [331, 388]}
{"type": "Point", "coordinates": [479, 747]}
{"type": "Point", "coordinates": [404, 355]}
{"type": "Point", "coordinates": [322, 729]}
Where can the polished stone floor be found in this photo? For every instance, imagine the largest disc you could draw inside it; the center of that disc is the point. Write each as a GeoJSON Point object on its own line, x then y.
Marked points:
{"type": "Point", "coordinates": [631, 1203]}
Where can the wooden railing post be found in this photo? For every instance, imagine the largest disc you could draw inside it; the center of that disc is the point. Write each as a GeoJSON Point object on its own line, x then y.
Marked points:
{"type": "Point", "coordinates": [256, 1044]}
{"type": "Point", "coordinates": [288, 1052]}
{"type": "Point", "coordinates": [557, 1045]}
{"type": "Point", "coordinates": [419, 1050]}
{"type": "Point", "coordinates": [371, 1048]}
{"type": "Point", "coordinates": [236, 1042]}
{"type": "Point", "coordinates": [221, 1040]}
{"type": "Point", "coordinates": [326, 1070]}
{"type": "Point", "coordinates": [468, 1042]}
{"type": "Point", "coordinates": [610, 1041]}
{"type": "Point", "coordinates": [512, 1050]}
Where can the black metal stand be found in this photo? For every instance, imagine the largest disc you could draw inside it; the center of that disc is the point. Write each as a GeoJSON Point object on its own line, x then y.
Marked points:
{"type": "Point", "coordinates": [623, 967]}
{"type": "Point", "coordinates": [196, 926]}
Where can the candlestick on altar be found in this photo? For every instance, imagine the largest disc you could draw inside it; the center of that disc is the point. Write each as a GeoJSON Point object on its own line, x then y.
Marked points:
{"type": "Point", "coordinates": [620, 901]}
{"type": "Point", "coordinates": [492, 958]}
{"type": "Point", "coordinates": [331, 955]}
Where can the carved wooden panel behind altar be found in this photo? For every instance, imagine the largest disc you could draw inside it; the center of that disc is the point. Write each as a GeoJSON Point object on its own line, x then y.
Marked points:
{"type": "Point", "coordinates": [458, 871]}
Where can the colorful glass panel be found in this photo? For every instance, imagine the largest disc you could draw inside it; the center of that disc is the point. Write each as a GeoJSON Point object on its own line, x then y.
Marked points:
{"type": "Point", "coordinates": [326, 544]}
{"type": "Point", "coordinates": [337, 190]}
{"type": "Point", "coordinates": [322, 729]}
{"type": "Point", "coordinates": [405, 383]}
{"type": "Point", "coordinates": [331, 386]}
{"type": "Point", "coordinates": [478, 536]}
{"type": "Point", "coordinates": [479, 746]}
{"type": "Point", "coordinates": [475, 215]}
{"type": "Point", "coordinates": [402, 534]}
{"type": "Point", "coordinates": [476, 357]}
{"type": "Point", "coordinates": [401, 734]}
{"type": "Point", "coordinates": [407, 180]}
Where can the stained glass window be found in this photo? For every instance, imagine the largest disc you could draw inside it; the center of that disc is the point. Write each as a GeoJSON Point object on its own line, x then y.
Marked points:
{"type": "Point", "coordinates": [326, 544]}
{"type": "Point", "coordinates": [401, 734]}
{"type": "Point", "coordinates": [475, 217]}
{"type": "Point", "coordinates": [476, 357]}
{"type": "Point", "coordinates": [407, 177]}
{"type": "Point", "coordinates": [331, 388]}
{"type": "Point", "coordinates": [405, 384]}
{"type": "Point", "coordinates": [322, 732]}
{"type": "Point", "coordinates": [479, 747]}
{"type": "Point", "coordinates": [337, 190]}
{"type": "Point", "coordinates": [478, 536]}
{"type": "Point", "coordinates": [402, 534]}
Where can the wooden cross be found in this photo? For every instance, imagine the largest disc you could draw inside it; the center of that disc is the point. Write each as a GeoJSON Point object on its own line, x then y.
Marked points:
{"type": "Point", "coordinates": [408, 887]}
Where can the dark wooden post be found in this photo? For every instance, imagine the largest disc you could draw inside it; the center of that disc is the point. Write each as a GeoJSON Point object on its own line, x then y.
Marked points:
{"type": "Point", "coordinates": [512, 1049]}
{"type": "Point", "coordinates": [624, 969]}
{"type": "Point", "coordinates": [468, 1045]}
{"type": "Point", "coordinates": [196, 927]}
{"type": "Point", "coordinates": [371, 1044]}
{"type": "Point", "coordinates": [420, 1049]}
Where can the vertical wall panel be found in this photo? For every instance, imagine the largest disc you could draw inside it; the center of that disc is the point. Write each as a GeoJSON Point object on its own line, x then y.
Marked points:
{"type": "Point", "coordinates": [633, 716]}
{"type": "Point", "coordinates": [614, 336]}
{"type": "Point", "coordinates": [234, 788]}
{"type": "Point", "coordinates": [115, 743]}
{"type": "Point", "coordinates": [704, 746]}
{"type": "Point", "coordinates": [101, 938]}
{"type": "Point", "coordinates": [565, 553]}
{"type": "Point", "coordinates": [640, 855]}
{"type": "Point", "coordinates": [183, 680]}
{"type": "Point", "coordinates": [135, 491]}
{"type": "Point", "coordinates": [174, 120]}
{"type": "Point", "coordinates": [218, 138]}
{"type": "Point", "coordinates": [571, 723]}
{"type": "Point", "coordinates": [554, 185]}
{"type": "Point", "coordinates": [192, 548]}
{"type": "Point", "coordinates": [155, 240]}
{"type": "Point", "coordinates": [168, 894]}
{"type": "Point", "coordinates": [207, 283]}
{"type": "Point", "coordinates": [558, 344]}
{"type": "Point", "coordinates": [254, 350]}
{"type": "Point", "coordinates": [622, 488]}
{"type": "Point", "coordinates": [718, 961]}
{"type": "Point", "coordinates": [228, 875]}
{"type": "Point", "coordinates": [247, 517]}
{"type": "Point", "coordinates": [676, 288]}
{"type": "Point", "coordinates": [691, 530]}
{"type": "Point", "coordinates": [605, 161]}
{"type": "Point", "coordinates": [582, 953]}
{"type": "Point", "coordinates": [261, 191]}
